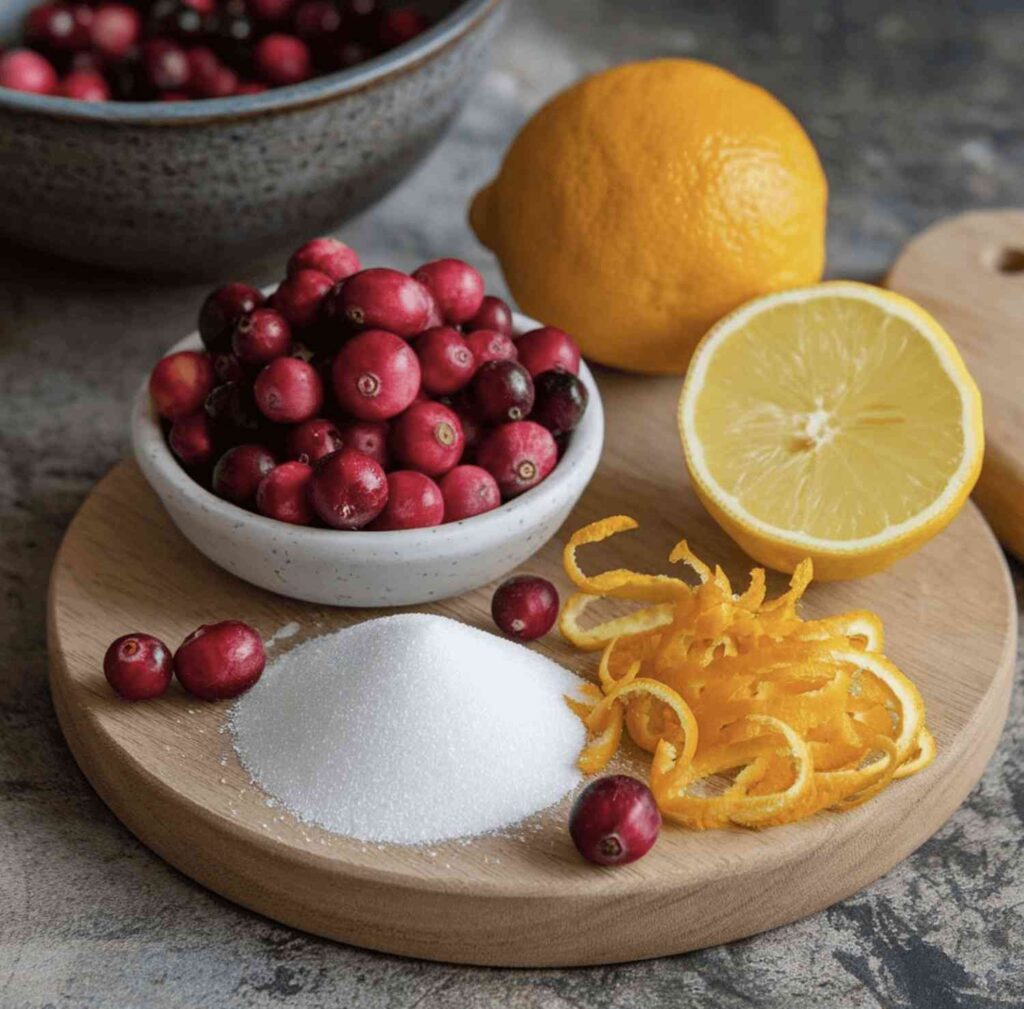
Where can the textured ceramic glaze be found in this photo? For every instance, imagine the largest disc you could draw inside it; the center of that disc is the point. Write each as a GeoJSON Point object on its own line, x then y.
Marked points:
{"type": "Point", "coordinates": [369, 568]}
{"type": "Point", "coordinates": [197, 187]}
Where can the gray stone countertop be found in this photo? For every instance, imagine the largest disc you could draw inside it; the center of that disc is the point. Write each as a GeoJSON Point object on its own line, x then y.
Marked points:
{"type": "Point", "coordinates": [916, 108]}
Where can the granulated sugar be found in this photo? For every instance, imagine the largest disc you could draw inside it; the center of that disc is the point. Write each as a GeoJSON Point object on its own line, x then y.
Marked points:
{"type": "Point", "coordinates": [410, 729]}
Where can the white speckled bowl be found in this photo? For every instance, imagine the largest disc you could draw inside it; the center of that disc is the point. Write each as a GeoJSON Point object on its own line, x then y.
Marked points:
{"type": "Point", "coordinates": [368, 568]}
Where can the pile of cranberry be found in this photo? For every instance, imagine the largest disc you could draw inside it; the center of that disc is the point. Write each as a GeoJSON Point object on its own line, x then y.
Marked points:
{"type": "Point", "coordinates": [357, 398]}
{"type": "Point", "coordinates": [174, 50]}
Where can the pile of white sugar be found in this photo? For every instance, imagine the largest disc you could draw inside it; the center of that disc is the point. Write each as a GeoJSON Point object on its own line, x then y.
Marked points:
{"type": "Point", "coordinates": [410, 729]}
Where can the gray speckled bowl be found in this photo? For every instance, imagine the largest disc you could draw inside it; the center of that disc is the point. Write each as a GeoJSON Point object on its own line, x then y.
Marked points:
{"type": "Point", "coordinates": [200, 187]}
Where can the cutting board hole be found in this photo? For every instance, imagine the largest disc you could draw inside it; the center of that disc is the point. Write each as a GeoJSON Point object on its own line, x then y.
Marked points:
{"type": "Point", "coordinates": [1010, 260]}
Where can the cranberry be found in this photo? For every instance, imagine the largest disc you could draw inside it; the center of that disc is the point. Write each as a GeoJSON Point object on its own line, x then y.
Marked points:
{"type": "Point", "coordinates": [399, 26]}
{"type": "Point", "coordinates": [428, 437]}
{"type": "Point", "coordinates": [548, 348]}
{"type": "Point", "coordinates": [176, 19]}
{"type": "Point", "coordinates": [298, 298]}
{"type": "Point", "coordinates": [283, 494]}
{"type": "Point", "coordinates": [270, 10]}
{"type": "Point", "coordinates": [250, 88]}
{"type": "Point", "coordinates": [490, 345]}
{"type": "Point", "coordinates": [472, 428]}
{"type": "Point", "coordinates": [446, 362]}
{"type": "Point", "coordinates": [232, 33]}
{"type": "Point", "coordinates": [369, 437]}
{"type": "Point", "coordinates": [525, 607]}
{"type": "Point", "coordinates": [457, 288]}
{"type": "Point", "coordinates": [560, 402]}
{"type": "Point", "coordinates": [330, 257]}
{"type": "Point", "coordinates": [502, 391]}
{"type": "Point", "coordinates": [283, 59]}
{"type": "Point", "coordinates": [348, 489]}
{"type": "Point", "coordinates": [518, 455]}
{"type": "Point", "coordinates": [414, 502]}
{"type": "Point", "coordinates": [208, 77]}
{"type": "Point", "coordinates": [24, 70]}
{"type": "Point", "coordinates": [492, 314]}
{"type": "Point", "coordinates": [59, 27]}
{"type": "Point", "coordinates": [289, 391]}
{"type": "Point", "coordinates": [316, 20]}
{"type": "Point", "coordinates": [311, 440]}
{"type": "Point", "coordinates": [180, 383]}
{"type": "Point", "coordinates": [468, 491]}
{"type": "Point", "coordinates": [191, 439]}
{"type": "Point", "coordinates": [138, 666]}
{"type": "Point", "coordinates": [614, 820]}
{"type": "Point", "coordinates": [85, 86]}
{"type": "Point", "coordinates": [233, 414]}
{"type": "Point", "coordinates": [385, 299]}
{"type": "Point", "coordinates": [221, 312]}
{"type": "Point", "coordinates": [239, 471]}
{"type": "Point", "coordinates": [217, 661]}
{"type": "Point", "coordinates": [115, 29]}
{"type": "Point", "coordinates": [166, 65]}
{"type": "Point", "coordinates": [376, 375]}
{"type": "Point", "coordinates": [173, 96]}
{"type": "Point", "coordinates": [261, 336]}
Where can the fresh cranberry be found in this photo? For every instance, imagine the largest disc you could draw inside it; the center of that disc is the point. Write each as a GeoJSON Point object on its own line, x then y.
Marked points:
{"type": "Point", "coordinates": [218, 661]}
{"type": "Point", "coordinates": [457, 288]}
{"type": "Point", "coordinates": [614, 820]}
{"type": "Point", "coordinates": [191, 439]}
{"type": "Point", "coordinates": [560, 402]}
{"type": "Point", "coordinates": [59, 27]}
{"type": "Point", "coordinates": [283, 494]}
{"type": "Point", "coordinates": [180, 383]}
{"type": "Point", "coordinates": [138, 666]}
{"type": "Point", "coordinates": [313, 439]}
{"type": "Point", "coordinates": [502, 391]}
{"type": "Point", "coordinates": [227, 367]}
{"type": "Point", "coordinates": [446, 362]}
{"type": "Point", "coordinates": [376, 375]}
{"type": "Point", "coordinates": [490, 345]}
{"type": "Point", "coordinates": [330, 257]}
{"type": "Point", "coordinates": [238, 473]}
{"type": "Point", "coordinates": [369, 437]}
{"type": "Point", "coordinates": [385, 299]}
{"type": "Point", "coordinates": [414, 502]}
{"type": "Point", "coordinates": [298, 298]}
{"type": "Point", "coordinates": [468, 491]}
{"type": "Point", "coordinates": [518, 455]}
{"type": "Point", "coordinates": [270, 10]}
{"type": "Point", "coordinates": [208, 77]}
{"type": "Point", "coordinates": [166, 65]}
{"type": "Point", "coordinates": [428, 437]}
{"type": "Point", "coordinates": [85, 86]}
{"type": "Point", "coordinates": [221, 312]}
{"type": "Point", "coordinates": [399, 26]}
{"type": "Point", "coordinates": [261, 336]}
{"type": "Point", "coordinates": [316, 20]}
{"type": "Point", "coordinates": [348, 489]}
{"type": "Point", "coordinates": [233, 414]}
{"type": "Point", "coordinates": [492, 314]}
{"type": "Point", "coordinates": [24, 70]}
{"type": "Point", "coordinates": [473, 429]}
{"type": "Point", "coordinates": [250, 88]}
{"type": "Point", "coordinates": [173, 96]}
{"type": "Point", "coordinates": [525, 607]}
{"type": "Point", "coordinates": [548, 348]}
{"type": "Point", "coordinates": [115, 29]}
{"type": "Point", "coordinates": [283, 59]}
{"type": "Point", "coordinates": [289, 391]}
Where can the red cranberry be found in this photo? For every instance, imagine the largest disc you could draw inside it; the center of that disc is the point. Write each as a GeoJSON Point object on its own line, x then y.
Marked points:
{"type": "Point", "coordinates": [525, 607]}
{"type": "Point", "coordinates": [518, 455]}
{"type": "Point", "coordinates": [218, 661]}
{"type": "Point", "coordinates": [457, 288]}
{"type": "Point", "coordinates": [376, 375]}
{"type": "Point", "coordinates": [502, 391]}
{"type": "Point", "coordinates": [250, 88]}
{"type": "Point", "coordinates": [298, 298]}
{"type": "Point", "coordinates": [239, 471]}
{"type": "Point", "coordinates": [386, 299]}
{"type": "Point", "coordinates": [191, 439]}
{"type": "Point", "coordinates": [560, 402]}
{"type": "Point", "coordinates": [330, 257]}
{"type": "Point", "coordinates": [180, 383]}
{"type": "Point", "coordinates": [490, 345]}
{"type": "Point", "coordinates": [614, 820]}
{"type": "Point", "coordinates": [399, 26]}
{"type": "Point", "coordinates": [548, 348]}
{"type": "Point", "coordinates": [24, 70]}
{"type": "Point", "coordinates": [270, 10]}
{"type": "Point", "coordinates": [414, 502]}
{"type": "Point", "coordinates": [446, 362]}
{"type": "Point", "coordinates": [468, 491]}
{"type": "Point", "coordinates": [283, 494]}
{"type": "Point", "coordinates": [227, 368]}
{"type": "Point", "coordinates": [369, 437]}
{"type": "Point", "coordinates": [59, 27]}
{"type": "Point", "coordinates": [289, 391]}
{"type": "Point", "coordinates": [115, 29]}
{"type": "Point", "coordinates": [208, 77]}
{"type": "Point", "coordinates": [310, 441]}
{"type": "Point", "coordinates": [173, 96]}
{"type": "Point", "coordinates": [261, 336]}
{"type": "Point", "coordinates": [348, 489]}
{"type": "Point", "coordinates": [85, 86]}
{"type": "Point", "coordinates": [233, 414]}
{"type": "Point", "coordinates": [283, 59]}
{"type": "Point", "coordinates": [493, 314]}
{"type": "Point", "coordinates": [222, 310]}
{"type": "Point", "coordinates": [428, 437]}
{"type": "Point", "coordinates": [166, 65]}
{"type": "Point", "coordinates": [138, 667]}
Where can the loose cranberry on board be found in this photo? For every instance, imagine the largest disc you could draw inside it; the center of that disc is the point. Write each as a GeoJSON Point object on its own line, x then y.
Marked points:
{"type": "Point", "coordinates": [219, 661]}
{"type": "Point", "coordinates": [138, 666]}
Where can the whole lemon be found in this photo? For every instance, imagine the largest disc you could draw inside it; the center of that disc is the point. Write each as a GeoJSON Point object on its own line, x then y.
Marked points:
{"type": "Point", "coordinates": [645, 202]}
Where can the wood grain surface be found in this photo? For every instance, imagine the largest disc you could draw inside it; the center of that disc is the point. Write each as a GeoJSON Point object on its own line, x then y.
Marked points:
{"type": "Point", "coordinates": [167, 768]}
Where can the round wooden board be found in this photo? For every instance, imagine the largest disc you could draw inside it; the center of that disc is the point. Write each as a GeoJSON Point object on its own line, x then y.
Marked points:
{"type": "Point", "coordinates": [168, 771]}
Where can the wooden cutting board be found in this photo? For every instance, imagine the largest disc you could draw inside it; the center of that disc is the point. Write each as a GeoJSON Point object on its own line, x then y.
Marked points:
{"type": "Point", "coordinates": [167, 769]}
{"type": "Point", "coordinates": [968, 271]}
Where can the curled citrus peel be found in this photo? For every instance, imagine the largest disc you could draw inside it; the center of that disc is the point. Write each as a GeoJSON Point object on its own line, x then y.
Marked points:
{"type": "Point", "coordinates": [753, 716]}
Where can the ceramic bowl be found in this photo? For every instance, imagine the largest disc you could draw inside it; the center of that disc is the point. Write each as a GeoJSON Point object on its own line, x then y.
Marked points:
{"type": "Point", "coordinates": [200, 187]}
{"type": "Point", "coordinates": [369, 568]}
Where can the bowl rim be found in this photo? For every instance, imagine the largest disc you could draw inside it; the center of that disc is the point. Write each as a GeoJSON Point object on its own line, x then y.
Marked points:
{"type": "Point", "coordinates": [582, 455]}
{"type": "Point", "coordinates": [318, 90]}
